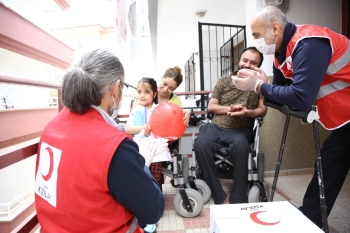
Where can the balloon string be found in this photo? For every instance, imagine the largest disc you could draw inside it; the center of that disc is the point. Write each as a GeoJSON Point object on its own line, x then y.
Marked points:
{"type": "Point", "coordinates": [146, 115]}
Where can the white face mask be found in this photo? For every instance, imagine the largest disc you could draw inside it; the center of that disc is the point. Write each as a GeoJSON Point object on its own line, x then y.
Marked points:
{"type": "Point", "coordinates": [113, 111]}
{"type": "Point", "coordinates": [264, 48]}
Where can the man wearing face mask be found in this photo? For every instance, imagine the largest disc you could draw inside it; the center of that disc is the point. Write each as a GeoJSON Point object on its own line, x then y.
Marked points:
{"type": "Point", "coordinates": [315, 61]}
{"type": "Point", "coordinates": [232, 126]}
{"type": "Point", "coordinates": [90, 176]}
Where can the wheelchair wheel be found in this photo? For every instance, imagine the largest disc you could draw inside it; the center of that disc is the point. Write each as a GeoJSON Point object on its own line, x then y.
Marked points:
{"type": "Point", "coordinates": [254, 194]}
{"type": "Point", "coordinates": [261, 166]}
{"type": "Point", "coordinates": [203, 189]}
{"type": "Point", "coordinates": [196, 202]}
{"type": "Point", "coordinates": [184, 168]}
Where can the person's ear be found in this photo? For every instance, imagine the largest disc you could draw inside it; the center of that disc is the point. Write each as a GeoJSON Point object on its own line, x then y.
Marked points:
{"type": "Point", "coordinates": [116, 89]}
{"type": "Point", "coordinates": [276, 28]}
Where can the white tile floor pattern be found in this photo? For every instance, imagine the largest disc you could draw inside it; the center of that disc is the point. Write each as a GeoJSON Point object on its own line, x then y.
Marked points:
{"type": "Point", "coordinates": [289, 188]}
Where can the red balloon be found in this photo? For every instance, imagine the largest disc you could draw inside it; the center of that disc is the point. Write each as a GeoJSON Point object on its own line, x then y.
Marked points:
{"type": "Point", "coordinates": [166, 121]}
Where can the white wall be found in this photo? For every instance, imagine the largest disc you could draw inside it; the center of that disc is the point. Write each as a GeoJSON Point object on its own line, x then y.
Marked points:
{"type": "Point", "coordinates": [178, 28]}
{"type": "Point", "coordinates": [321, 12]}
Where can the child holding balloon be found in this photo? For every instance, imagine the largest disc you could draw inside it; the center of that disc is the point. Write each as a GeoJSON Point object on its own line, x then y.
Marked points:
{"type": "Point", "coordinates": [139, 118]}
{"type": "Point", "coordinates": [172, 78]}
{"type": "Point", "coordinates": [147, 95]}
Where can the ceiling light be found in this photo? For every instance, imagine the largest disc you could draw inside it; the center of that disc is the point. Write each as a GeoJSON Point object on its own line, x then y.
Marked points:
{"type": "Point", "coordinates": [200, 13]}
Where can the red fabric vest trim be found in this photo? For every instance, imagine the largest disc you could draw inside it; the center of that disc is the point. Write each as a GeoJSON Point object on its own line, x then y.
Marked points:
{"type": "Point", "coordinates": [331, 107]}
{"type": "Point", "coordinates": [83, 201]}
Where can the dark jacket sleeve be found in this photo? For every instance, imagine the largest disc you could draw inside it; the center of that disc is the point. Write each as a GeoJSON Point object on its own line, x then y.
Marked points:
{"type": "Point", "coordinates": [132, 185]}
{"type": "Point", "coordinates": [311, 58]}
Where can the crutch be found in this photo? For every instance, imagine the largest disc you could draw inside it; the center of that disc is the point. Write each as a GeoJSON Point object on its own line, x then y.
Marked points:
{"type": "Point", "coordinates": [306, 117]}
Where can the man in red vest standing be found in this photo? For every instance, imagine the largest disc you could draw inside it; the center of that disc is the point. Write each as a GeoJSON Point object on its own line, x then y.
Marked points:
{"type": "Point", "coordinates": [315, 61]}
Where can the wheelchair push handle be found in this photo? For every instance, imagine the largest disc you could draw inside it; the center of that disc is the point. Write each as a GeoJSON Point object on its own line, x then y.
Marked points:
{"type": "Point", "coordinates": [288, 110]}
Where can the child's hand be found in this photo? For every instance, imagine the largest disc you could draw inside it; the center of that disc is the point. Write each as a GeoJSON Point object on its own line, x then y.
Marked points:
{"type": "Point", "coordinates": [186, 116]}
{"type": "Point", "coordinates": [147, 130]}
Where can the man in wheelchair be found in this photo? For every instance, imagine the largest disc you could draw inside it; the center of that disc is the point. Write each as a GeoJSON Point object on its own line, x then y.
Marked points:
{"type": "Point", "coordinates": [232, 126]}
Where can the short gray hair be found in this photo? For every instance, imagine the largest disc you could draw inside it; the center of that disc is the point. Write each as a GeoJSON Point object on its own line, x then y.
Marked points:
{"type": "Point", "coordinates": [87, 82]}
{"type": "Point", "coordinates": [271, 14]}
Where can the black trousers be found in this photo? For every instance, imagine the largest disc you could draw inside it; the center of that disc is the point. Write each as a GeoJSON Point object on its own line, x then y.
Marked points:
{"type": "Point", "coordinates": [210, 139]}
{"type": "Point", "coordinates": [335, 157]}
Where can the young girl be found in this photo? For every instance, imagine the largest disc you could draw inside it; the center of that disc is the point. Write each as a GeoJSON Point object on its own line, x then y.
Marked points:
{"type": "Point", "coordinates": [147, 95]}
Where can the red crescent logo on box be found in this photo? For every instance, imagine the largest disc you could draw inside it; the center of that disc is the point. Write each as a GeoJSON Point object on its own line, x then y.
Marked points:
{"type": "Point", "coordinates": [254, 217]}
{"type": "Point", "coordinates": [48, 175]}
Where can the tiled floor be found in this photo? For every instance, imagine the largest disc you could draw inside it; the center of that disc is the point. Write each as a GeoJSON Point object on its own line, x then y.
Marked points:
{"type": "Point", "coordinates": [289, 188]}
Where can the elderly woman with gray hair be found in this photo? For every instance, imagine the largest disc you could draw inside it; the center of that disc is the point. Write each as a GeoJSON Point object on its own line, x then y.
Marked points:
{"type": "Point", "coordinates": [90, 176]}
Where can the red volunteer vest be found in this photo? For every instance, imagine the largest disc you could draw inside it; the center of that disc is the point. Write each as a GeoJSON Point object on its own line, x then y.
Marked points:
{"type": "Point", "coordinates": [333, 97]}
{"type": "Point", "coordinates": [71, 191]}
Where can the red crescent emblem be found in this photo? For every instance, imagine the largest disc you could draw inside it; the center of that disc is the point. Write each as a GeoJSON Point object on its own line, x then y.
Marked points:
{"type": "Point", "coordinates": [254, 217]}
{"type": "Point", "coordinates": [48, 175]}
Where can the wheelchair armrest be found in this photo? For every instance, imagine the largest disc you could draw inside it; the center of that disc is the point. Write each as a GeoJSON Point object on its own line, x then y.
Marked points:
{"type": "Point", "coordinates": [210, 115]}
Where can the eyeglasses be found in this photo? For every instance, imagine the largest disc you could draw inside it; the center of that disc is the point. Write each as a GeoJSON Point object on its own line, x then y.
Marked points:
{"type": "Point", "coordinates": [128, 85]}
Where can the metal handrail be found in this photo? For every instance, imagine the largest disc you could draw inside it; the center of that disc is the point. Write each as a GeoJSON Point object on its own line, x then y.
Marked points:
{"type": "Point", "coordinates": [12, 79]}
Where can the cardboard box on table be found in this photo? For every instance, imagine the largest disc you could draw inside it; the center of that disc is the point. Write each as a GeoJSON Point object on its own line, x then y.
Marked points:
{"type": "Point", "coordinates": [268, 217]}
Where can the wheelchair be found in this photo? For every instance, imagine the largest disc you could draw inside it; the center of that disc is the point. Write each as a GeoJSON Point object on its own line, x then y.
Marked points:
{"type": "Point", "coordinates": [193, 193]}
{"type": "Point", "coordinates": [225, 166]}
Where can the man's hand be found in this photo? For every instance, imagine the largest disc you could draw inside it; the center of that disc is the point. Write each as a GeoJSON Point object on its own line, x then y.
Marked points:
{"type": "Point", "coordinates": [241, 112]}
{"type": "Point", "coordinates": [259, 72]}
{"type": "Point", "coordinates": [149, 146]}
{"type": "Point", "coordinates": [234, 108]}
{"type": "Point", "coordinates": [249, 80]}
{"type": "Point", "coordinates": [261, 75]}
{"type": "Point", "coordinates": [237, 110]}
